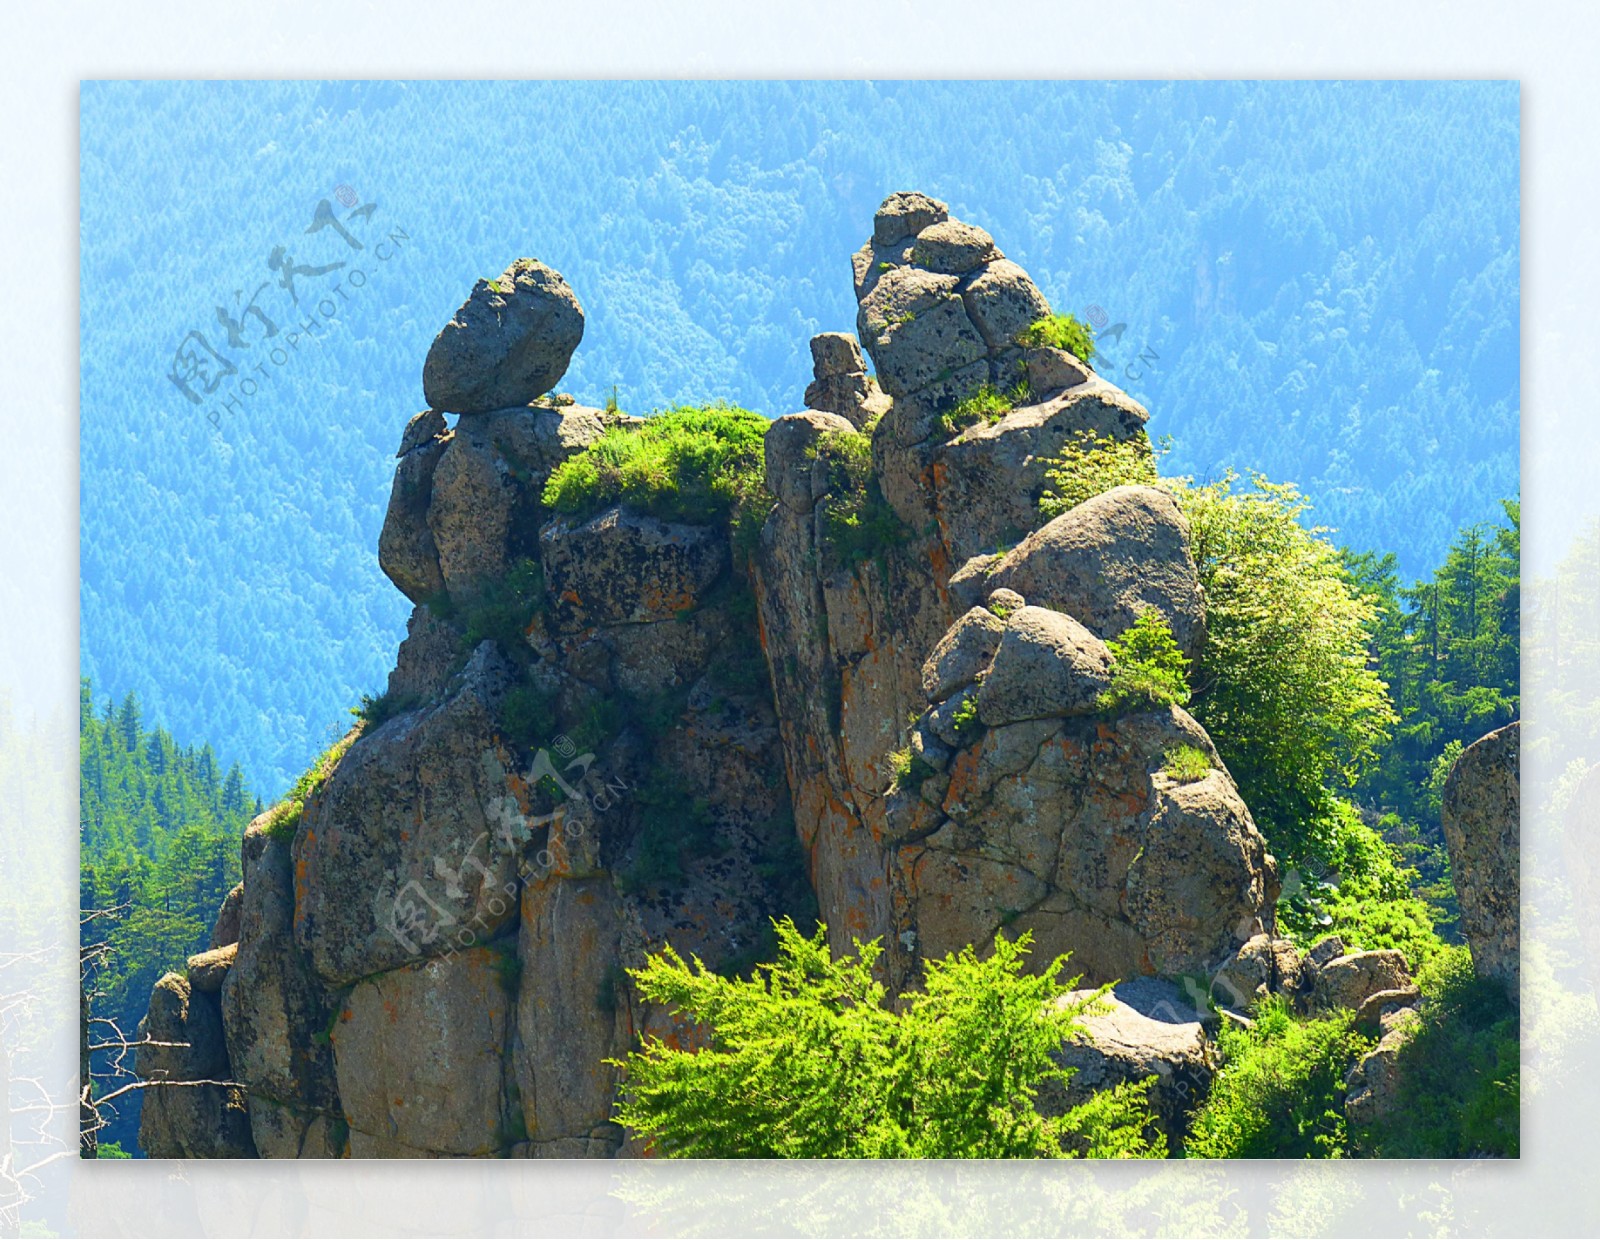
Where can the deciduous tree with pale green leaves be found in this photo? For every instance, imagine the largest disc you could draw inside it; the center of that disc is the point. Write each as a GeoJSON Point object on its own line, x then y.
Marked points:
{"type": "Point", "coordinates": [807, 1060]}
{"type": "Point", "coordinates": [1283, 683]}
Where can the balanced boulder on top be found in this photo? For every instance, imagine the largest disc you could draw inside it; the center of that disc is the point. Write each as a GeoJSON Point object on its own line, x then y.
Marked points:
{"type": "Point", "coordinates": [508, 344]}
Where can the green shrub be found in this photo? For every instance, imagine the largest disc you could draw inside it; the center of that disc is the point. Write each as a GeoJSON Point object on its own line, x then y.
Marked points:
{"type": "Point", "coordinates": [1359, 891]}
{"type": "Point", "coordinates": [987, 404]}
{"type": "Point", "coordinates": [1147, 668]}
{"type": "Point", "coordinates": [909, 770]}
{"type": "Point", "coordinates": [1283, 684]}
{"type": "Point", "coordinates": [1459, 1072]}
{"type": "Point", "coordinates": [672, 825]}
{"type": "Point", "coordinates": [966, 714]}
{"type": "Point", "coordinates": [506, 607]}
{"type": "Point", "coordinates": [858, 524]}
{"type": "Point", "coordinates": [285, 815]}
{"type": "Point", "coordinates": [1280, 1091]}
{"type": "Point", "coordinates": [1184, 764]}
{"type": "Point", "coordinates": [699, 465]}
{"type": "Point", "coordinates": [374, 712]}
{"type": "Point", "coordinates": [1060, 331]}
{"type": "Point", "coordinates": [805, 1060]}
{"type": "Point", "coordinates": [526, 716]}
{"type": "Point", "coordinates": [1092, 464]}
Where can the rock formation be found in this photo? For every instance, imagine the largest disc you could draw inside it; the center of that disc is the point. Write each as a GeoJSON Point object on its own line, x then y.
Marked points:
{"type": "Point", "coordinates": [1482, 828]}
{"type": "Point", "coordinates": [607, 731]}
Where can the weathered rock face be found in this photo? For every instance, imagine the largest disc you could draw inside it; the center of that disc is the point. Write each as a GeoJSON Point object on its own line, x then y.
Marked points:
{"type": "Point", "coordinates": [1482, 828]}
{"type": "Point", "coordinates": [508, 344]}
{"type": "Point", "coordinates": [275, 1010]}
{"type": "Point", "coordinates": [607, 731]}
{"type": "Point", "coordinates": [189, 1121]}
{"type": "Point", "coordinates": [1109, 559]}
{"type": "Point", "coordinates": [406, 845]}
{"type": "Point", "coordinates": [422, 1055]}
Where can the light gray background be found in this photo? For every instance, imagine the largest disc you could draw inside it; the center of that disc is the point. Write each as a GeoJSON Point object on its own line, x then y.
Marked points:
{"type": "Point", "coordinates": [1551, 49]}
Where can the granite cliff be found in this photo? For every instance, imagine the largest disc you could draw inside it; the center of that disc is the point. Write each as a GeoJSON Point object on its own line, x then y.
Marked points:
{"type": "Point", "coordinates": [864, 685]}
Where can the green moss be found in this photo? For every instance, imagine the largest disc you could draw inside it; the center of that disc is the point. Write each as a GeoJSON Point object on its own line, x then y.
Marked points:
{"type": "Point", "coordinates": [987, 404]}
{"type": "Point", "coordinates": [694, 464]}
{"type": "Point", "coordinates": [506, 607]}
{"type": "Point", "coordinates": [858, 524]}
{"type": "Point", "coordinates": [285, 816]}
{"type": "Point", "coordinates": [1060, 331]}
{"type": "Point", "coordinates": [507, 967]}
{"type": "Point", "coordinates": [673, 825]}
{"type": "Point", "coordinates": [526, 716]}
{"type": "Point", "coordinates": [1184, 764]}
{"type": "Point", "coordinates": [909, 770]}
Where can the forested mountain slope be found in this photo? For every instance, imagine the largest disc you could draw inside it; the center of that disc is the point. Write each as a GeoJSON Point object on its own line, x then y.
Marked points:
{"type": "Point", "coordinates": [1319, 281]}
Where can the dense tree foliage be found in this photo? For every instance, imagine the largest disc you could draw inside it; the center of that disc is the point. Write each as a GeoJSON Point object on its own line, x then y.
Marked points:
{"type": "Point", "coordinates": [807, 1060]}
{"type": "Point", "coordinates": [1314, 280]}
{"type": "Point", "coordinates": [159, 832]}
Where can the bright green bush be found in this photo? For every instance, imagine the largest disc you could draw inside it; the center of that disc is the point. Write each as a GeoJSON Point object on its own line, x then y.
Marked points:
{"type": "Point", "coordinates": [1280, 1091]}
{"type": "Point", "coordinates": [1060, 331]}
{"type": "Point", "coordinates": [1459, 1072]}
{"type": "Point", "coordinates": [1283, 683]}
{"type": "Point", "coordinates": [1147, 668]}
{"type": "Point", "coordinates": [688, 464]}
{"type": "Point", "coordinates": [805, 1060]}
{"type": "Point", "coordinates": [1092, 464]}
{"type": "Point", "coordinates": [1365, 896]}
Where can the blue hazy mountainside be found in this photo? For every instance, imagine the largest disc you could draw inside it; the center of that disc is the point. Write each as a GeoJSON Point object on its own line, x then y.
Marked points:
{"type": "Point", "coordinates": [1318, 281]}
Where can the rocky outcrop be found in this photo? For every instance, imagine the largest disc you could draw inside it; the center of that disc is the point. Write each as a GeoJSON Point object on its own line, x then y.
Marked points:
{"type": "Point", "coordinates": [874, 694]}
{"type": "Point", "coordinates": [841, 384]}
{"type": "Point", "coordinates": [508, 344]}
{"type": "Point", "coordinates": [191, 1109]}
{"type": "Point", "coordinates": [1482, 828]}
{"type": "Point", "coordinates": [1145, 1028]}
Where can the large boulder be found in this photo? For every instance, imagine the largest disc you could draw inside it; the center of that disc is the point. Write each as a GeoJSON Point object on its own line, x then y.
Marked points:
{"type": "Point", "coordinates": [1107, 560]}
{"type": "Point", "coordinates": [407, 851]}
{"type": "Point", "coordinates": [623, 567]}
{"type": "Point", "coordinates": [1349, 981]}
{"type": "Point", "coordinates": [1070, 828]}
{"type": "Point", "coordinates": [188, 1120]}
{"type": "Point", "coordinates": [963, 654]}
{"type": "Point", "coordinates": [1144, 1028]}
{"type": "Point", "coordinates": [989, 479]}
{"type": "Point", "coordinates": [1482, 828]}
{"type": "Point", "coordinates": [421, 1054]}
{"type": "Point", "coordinates": [508, 344]}
{"type": "Point", "coordinates": [917, 329]}
{"type": "Point", "coordinates": [1047, 664]}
